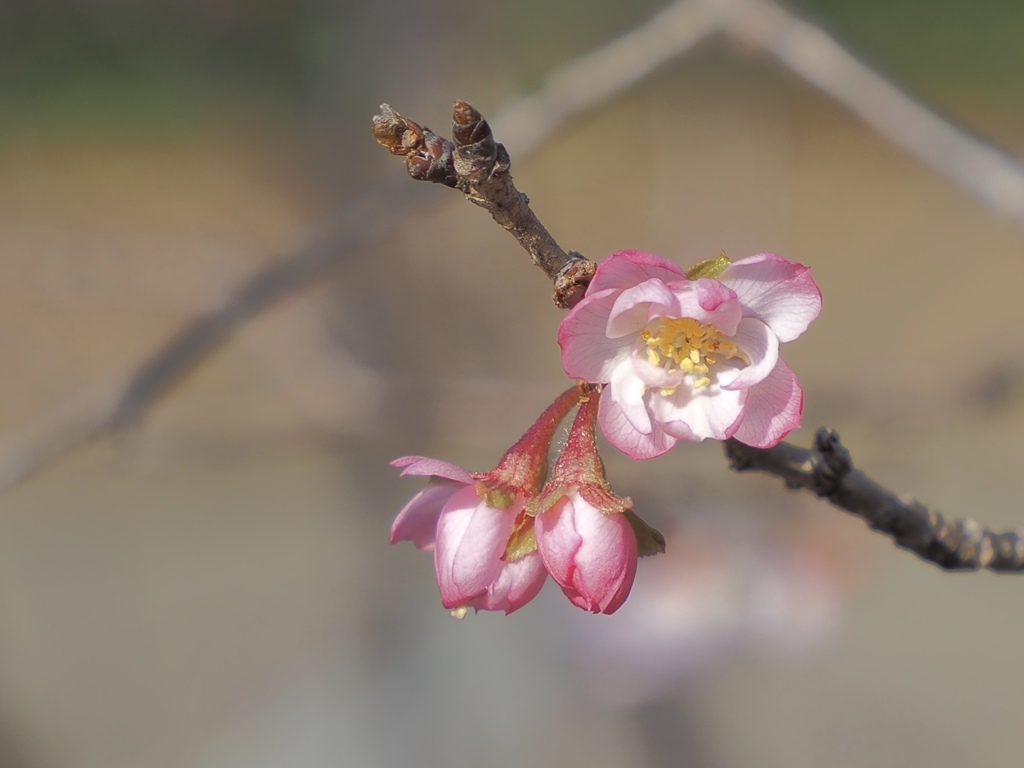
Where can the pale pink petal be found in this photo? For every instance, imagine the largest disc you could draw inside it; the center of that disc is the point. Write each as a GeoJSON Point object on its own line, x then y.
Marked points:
{"type": "Point", "coordinates": [654, 375]}
{"type": "Point", "coordinates": [709, 412]}
{"type": "Point", "coordinates": [625, 269]}
{"type": "Point", "coordinates": [419, 465]}
{"type": "Point", "coordinates": [417, 522]}
{"type": "Point", "coordinates": [634, 308]}
{"type": "Point", "coordinates": [627, 438]}
{"type": "Point", "coordinates": [517, 584]}
{"type": "Point", "coordinates": [782, 293]}
{"type": "Point", "coordinates": [471, 540]}
{"type": "Point", "coordinates": [773, 409]}
{"type": "Point", "coordinates": [591, 555]}
{"type": "Point", "coordinates": [587, 352]}
{"type": "Point", "coordinates": [709, 303]}
{"type": "Point", "coordinates": [757, 342]}
{"type": "Point", "coordinates": [627, 390]}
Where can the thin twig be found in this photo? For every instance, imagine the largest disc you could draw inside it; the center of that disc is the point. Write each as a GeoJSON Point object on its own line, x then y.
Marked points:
{"type": "Point", "coordinates": [827, 471]}
{"type": "Point", "coordinates": [474, 163]}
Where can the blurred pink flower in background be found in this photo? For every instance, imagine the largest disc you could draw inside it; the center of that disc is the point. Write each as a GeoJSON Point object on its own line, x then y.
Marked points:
{"type": "Point", "coordinates": [716, 594]}
{"type": "Point", "coordinates": [690, 359]}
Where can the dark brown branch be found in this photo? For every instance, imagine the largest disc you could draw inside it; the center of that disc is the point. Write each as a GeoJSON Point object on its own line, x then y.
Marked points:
{"type": "Point", "coordinates": [827, 471]}
{"type": "Point", "coordinates": [478, 166]}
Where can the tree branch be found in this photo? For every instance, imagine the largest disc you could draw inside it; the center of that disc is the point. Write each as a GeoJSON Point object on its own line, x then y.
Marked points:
{"type": "Point", "coordinates": [580, 85]}
{"type": "Point", "coordinates": [474, 163]}
{"type": "Point", "coordinates": [477, 165]}
{"type": "Point", "coordinates": [827, 471]}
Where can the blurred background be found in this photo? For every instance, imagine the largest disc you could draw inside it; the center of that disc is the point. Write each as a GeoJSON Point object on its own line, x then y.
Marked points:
{"type": "Point", "coordinates": [214, 587]}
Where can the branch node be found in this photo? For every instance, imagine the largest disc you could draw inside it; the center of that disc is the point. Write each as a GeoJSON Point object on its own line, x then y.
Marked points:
{"type": "Point", "coordinates": [477, 154]}
{"type": "Point", "coordinates": [572, 280]}
{"type": "Point", "coordinates": [478, 166]}
{"type": "Point", "coordinates": [428, 157]}
{"type": "Point", "coordinates": [830, 461]}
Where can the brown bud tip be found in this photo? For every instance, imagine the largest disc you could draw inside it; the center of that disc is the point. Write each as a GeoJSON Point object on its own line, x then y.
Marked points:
{"type": "Point", "coordinates": [397, 134]}
{"type": "Point", "coordinates": [468, 125]}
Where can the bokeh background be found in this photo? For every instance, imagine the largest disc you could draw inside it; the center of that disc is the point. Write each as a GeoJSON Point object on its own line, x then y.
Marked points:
{"type": "Point", "coordinates": [214, 587]}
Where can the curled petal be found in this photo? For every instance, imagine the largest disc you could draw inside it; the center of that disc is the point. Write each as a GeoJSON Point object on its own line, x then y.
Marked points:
{"type": "Point", "coordinates": [709, 303]}
{"type": "Point", "coordinates": [420, 465]}
{"type": "Point", "coordinates": [417, 522]}
{"type": "Point", "coordinates": [760, 346]}
{"type": "Point", "coordinates": [621, 433]}
{"type": "Point", "coordinates": [624, 269]}
{"type": "Point", "coordinates": [774, 408]}
{"type": "Point", "coordinates": [627, 390]}
{"type": "Point", "coordinates": [636, 306]}
{"type": "Point", "coordinates": [779, 292]}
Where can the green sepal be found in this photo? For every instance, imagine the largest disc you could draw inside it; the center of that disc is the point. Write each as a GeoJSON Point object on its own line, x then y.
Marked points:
{"type": "Point", "coordinates": [548, 496]}
{"type": "Point", "coordinates": [522, 541]}
{"type": "Point", "coordinates": [649, 540]}
{"type": "Point", "coordinates": [498, 498]}
{"type": "Point", "coordinates": [711, 268]}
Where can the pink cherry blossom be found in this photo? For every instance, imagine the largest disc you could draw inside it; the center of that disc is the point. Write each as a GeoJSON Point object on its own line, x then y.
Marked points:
{"type": "Point", "coordinates": [685, 359]}
{"type": "Point", "coordinates": [591, 554]}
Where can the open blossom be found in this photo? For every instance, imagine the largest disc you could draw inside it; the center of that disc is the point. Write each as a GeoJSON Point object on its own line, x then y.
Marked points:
{"type": "Point", "coordinates": [690, 359]}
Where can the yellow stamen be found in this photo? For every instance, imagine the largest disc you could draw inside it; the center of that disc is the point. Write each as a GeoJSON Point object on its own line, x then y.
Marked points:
{"type": "Point", "coordinates": [683, 344]}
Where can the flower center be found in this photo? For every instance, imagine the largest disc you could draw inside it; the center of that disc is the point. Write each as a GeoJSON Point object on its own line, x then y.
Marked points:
{"type": "Point", "coordinates": [683, 344]}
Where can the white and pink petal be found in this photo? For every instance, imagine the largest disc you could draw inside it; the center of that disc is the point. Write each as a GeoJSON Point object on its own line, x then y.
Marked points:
{"type": "Point", "coordinates": [779, 292]}
{"type": "Point", "coordinates": [709, 303]}
{"type": "Point", "coordinates": [417, 521]}
{"type": "Point", "coordinates": [774, 409]}
{"type": "Point", "coordinates": [624, 269]}
{"type": "Point", "coordinates": [421, 465]}
{"type": "Point", "coordinates": [624, 436]}
{"type": "Point", "coordinates": [587, 352]}
{"type": "Point", "coordinates": [635, 307]}
{"type": "Point", "coordinates": [758, 344]}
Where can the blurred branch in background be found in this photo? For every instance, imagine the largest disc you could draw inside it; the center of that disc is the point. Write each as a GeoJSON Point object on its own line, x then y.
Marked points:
{"type": "Point", "coordinates": [583, 84]}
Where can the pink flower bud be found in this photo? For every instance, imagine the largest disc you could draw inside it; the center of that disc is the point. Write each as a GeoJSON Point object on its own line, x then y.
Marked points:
{"type": "Point", "coordinates": [586, 535]}
{"type": "Point", "coordinates": [485, 555]}
{"type": "Point", "coordinates": [591, 554]}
